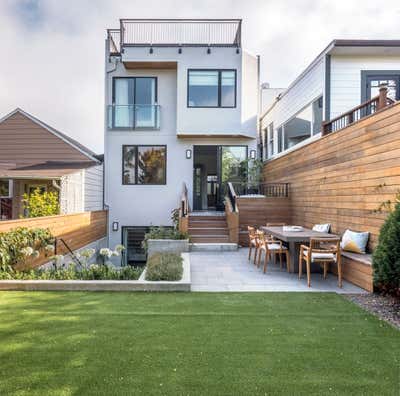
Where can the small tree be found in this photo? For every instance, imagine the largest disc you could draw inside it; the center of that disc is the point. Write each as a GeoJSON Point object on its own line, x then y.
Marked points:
{"type": "Point", "coordinates": [40, 203]}
{"type": "Point", "coordinates": [386, 257]}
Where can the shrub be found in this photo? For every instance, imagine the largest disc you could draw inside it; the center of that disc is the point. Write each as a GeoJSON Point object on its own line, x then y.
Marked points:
{"type": "Point", "coordinates": [164, 267]}
{"type": "Point", "coordinates": [163, 233]}
{"type": "Point", "coordinates": [386, 257]}
{"type": "Point", "coordinates": [16, 245]}
{"type": "Point", "coordinates": [40, 203]}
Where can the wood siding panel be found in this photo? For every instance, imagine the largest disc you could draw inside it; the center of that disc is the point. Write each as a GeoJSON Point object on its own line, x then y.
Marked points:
{"type": "Point", "coordinates": [77, 230]}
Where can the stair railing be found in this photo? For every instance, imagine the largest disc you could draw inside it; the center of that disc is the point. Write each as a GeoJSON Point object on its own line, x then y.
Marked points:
{"type": "Point", "coordinates": [184, 210]}
{"type": "Point", "coordinates": [232, 214]}
{"type": "Point", "coordinates": [73, 255]}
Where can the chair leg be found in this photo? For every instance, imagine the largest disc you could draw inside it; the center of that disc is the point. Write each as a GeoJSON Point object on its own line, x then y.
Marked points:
{"type": "Point", "coordinates": [255, 255]}
{"type": "Point", "coordinates": [300, 264]}
{"type": "Point", "coordinates": [308, 273]}
{"type": "Point", "coordinates": [266, 259]}
{"type": "Point", "coordinates": [287, 261]}
{"type": "Point", "coordinates": [250, 248]}
{"type": "Point", "coordinates": [280, 260]}
{"type": "Point", "coordinates": [339, 270]}
{"type": "Point", "coordinates": [325, 269]}
{"type": "Point", "coordinates": [259, 258]}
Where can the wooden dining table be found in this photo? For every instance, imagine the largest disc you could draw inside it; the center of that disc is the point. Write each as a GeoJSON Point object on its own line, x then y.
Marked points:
{"type": "Point", "coordinates": [294, 239]}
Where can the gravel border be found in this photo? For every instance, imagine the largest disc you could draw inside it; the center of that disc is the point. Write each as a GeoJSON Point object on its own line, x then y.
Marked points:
{"type": "Point", "coordinates": [386, 308]}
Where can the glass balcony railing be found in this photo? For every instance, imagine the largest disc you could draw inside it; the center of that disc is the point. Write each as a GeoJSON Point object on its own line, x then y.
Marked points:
{"type": "Point", "coordinates": [133, 117]}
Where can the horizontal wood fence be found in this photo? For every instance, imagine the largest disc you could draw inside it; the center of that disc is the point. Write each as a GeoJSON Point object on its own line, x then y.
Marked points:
{"type": "Point", "coordinates": [344, 177]}
{"type": "Point", "coordinates": [77, 230]}
{"type": "Point", "coordinates": [258, 211]}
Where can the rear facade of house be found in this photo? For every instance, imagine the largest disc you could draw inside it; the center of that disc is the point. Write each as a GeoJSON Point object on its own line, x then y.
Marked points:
{"type": "Point", "coordinates": [346, 74]}
{"type": "Point", "coordinates": [181, 112]}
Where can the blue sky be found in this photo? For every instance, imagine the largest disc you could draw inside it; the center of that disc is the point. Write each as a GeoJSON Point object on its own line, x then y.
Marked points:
{"type": "Point", "coordinates": [53, 50]}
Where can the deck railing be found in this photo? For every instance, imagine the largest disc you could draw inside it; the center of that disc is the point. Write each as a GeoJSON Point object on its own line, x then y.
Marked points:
{"type": "Point", "coordinates": [365, 109]}
{"type": "Point", "coordinates": [278, 190]}
{"type": "Point", "coordinates": [133, 116]}
{"type": "Point", "coordinates": [114, 41]}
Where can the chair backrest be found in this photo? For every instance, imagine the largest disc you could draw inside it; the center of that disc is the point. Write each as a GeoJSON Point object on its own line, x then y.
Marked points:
{"type": "Point", "coordinates": [252, 232]}
{"type": "Point", "coordinates": [325, 245]}
{"type": "Point", "coordinates": [322, 227]}
{"type": "Point", "coordinates": [260, 237]}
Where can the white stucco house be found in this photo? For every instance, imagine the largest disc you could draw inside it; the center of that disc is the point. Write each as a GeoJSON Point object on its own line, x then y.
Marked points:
{"type": "Point", "coordinates": [181, 103]}
{"type": "Point", "coordinates": [344, 75]}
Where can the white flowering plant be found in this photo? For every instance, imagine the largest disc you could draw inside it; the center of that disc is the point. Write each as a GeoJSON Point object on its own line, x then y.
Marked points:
{"type": "Point", "coordinates": [105, 254]}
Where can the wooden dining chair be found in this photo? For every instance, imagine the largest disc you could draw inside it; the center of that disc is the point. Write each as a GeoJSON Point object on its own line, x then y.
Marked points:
{"type": "Point", "coordinates": [271, 247]}
{"type": "Point", "coordinates": [253, 242]}
{"type": "Point", "coordinates": [322, 251]}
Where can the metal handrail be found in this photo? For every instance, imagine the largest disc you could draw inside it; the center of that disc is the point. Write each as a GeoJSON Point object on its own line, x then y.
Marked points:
{"type": "Point", "coordinates": [74, 257]}
{"type": "Point", "coordinates": [232, 196]}
{"type": "Point", "coordinates": [184, 206]}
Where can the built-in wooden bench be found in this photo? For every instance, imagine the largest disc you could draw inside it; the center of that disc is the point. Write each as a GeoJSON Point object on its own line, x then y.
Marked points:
{"type": "Point", "coordinates": [357, 269]}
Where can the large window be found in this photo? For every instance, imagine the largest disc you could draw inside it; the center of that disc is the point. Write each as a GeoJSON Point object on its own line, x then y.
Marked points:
{"type": "Point", "coordinates": [134, 102]}
{"type": "Point", "coordinates": [270, 140]}
{"type": "Point", "coordinates": [211, 88]}
{"type": "Point", "coordinates": [303, 125]}
{"type": "Point", "coordinates": [144, 164]}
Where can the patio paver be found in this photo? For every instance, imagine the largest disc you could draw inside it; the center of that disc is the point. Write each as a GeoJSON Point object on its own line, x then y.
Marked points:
{"type": "Point", "coordinates": [231, 271]}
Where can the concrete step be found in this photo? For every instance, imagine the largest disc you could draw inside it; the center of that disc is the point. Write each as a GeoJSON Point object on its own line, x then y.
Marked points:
{"type": "Point", "coordinates": [207, 224]}
{"type": "Point", "coordinates": [213, 247]}
{"type": "Point", "coordinates": [208, 231]}
{"type": "Point", "coordinates": [204, 218]}
{"type": "Point", "coordinates": [209, 238]}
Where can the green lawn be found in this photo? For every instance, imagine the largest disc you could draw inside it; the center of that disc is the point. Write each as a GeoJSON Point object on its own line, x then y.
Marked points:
{"type": "Point", "coordinates": [54, 343]}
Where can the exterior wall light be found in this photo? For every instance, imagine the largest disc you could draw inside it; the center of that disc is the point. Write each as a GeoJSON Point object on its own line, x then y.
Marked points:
{"type": "Point", "coordinates": [208, 50]}
{"type": "Point", "coordinates": [253, 154]}
{"type": "Point", "coordinates": [188, 154]}
{"type": "Point", "coordinates": [115, 226]}
{"type": "Point", "coordinates": [151, 50]}
{"type": "Point", "coordinates": [179, 50]}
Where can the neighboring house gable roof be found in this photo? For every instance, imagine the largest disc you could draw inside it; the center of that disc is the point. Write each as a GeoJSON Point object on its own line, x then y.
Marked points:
{"type": "Point", "coordinates": [31, 148]}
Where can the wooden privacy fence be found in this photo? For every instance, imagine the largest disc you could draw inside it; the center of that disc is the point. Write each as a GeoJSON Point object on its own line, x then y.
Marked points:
{"type": "Point", "coordinates": [77, 230]}
{"type": "Point", "coordinates": [344, 177]}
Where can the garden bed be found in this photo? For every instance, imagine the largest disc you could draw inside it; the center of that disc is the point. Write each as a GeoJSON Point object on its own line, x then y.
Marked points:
{"type": "Point", "coordinates": [104, 285]}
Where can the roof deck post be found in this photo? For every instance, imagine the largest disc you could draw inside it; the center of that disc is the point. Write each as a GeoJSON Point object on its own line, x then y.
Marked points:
{"type": "Point", "coordinates": [382, 99]}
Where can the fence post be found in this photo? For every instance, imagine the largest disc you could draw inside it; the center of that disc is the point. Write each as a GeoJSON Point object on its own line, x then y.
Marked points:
{"type": "Point", "coordinates": [324, 128]}
{"type": "Point", "coordinates": [382, 99]}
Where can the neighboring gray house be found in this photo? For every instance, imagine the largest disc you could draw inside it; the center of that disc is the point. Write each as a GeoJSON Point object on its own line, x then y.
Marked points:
{"type": "Point", "coordinates": [344, 75]}
{"type": "Point", "coordinates": [34, 155]}
{"type": "Point", "coordinates": [182, 106]}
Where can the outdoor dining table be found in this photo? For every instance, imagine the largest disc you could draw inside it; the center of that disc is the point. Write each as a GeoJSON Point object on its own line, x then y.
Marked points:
{"type": "Point", "coordinates": [294, 239]}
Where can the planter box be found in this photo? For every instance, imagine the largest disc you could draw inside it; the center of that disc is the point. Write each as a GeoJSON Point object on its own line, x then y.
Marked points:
{"type": "Point", "coordinates": [167, 246]}
{"type": "Point", "coordinates": [104, 285]}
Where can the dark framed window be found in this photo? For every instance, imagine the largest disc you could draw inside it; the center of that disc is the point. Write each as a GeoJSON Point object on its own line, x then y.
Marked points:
{"type": "Point", "coordinates": [145, 164]}
{"type": "Point", "coordinates": [211, 88]}
{"type": "Point", "coordinates": [372, 79]}
{"type": "Point", "coordinates": [134, 102]}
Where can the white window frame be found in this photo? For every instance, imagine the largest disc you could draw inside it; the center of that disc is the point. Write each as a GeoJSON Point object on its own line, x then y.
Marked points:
{"type": "Point", "coordinates": [10, 189]}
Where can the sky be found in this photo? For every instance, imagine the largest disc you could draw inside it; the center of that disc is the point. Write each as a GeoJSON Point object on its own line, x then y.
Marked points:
{"type": "Point", "coordinates": [52, 51]}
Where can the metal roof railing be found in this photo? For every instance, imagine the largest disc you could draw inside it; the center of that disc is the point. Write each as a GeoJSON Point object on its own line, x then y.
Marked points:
{"type": "Point", "coordinates": [176, 33]}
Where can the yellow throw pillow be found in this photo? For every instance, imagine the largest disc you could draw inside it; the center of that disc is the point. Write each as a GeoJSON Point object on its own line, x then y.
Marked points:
{"type": "Point", "coordinates": [355, 242]}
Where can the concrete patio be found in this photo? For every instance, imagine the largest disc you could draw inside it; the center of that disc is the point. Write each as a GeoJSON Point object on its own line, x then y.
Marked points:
{"type": "Point", "coordinates": [231, 271]}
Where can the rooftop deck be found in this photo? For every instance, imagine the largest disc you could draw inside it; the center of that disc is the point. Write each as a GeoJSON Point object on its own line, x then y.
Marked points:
{"type": "Point", "coordinates": [175, 33]}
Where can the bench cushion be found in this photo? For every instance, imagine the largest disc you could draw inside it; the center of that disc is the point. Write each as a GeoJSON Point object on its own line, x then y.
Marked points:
{"type": "Point", "coordinates": [362, 258]}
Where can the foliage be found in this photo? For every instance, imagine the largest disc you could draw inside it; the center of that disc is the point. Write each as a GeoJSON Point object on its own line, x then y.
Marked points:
{"type": "Point", "coordinates": [386, 257]}
{"type": "Point", "coordinates": [39, 203]}
{"type": "Point", "coordinates": [71, 272]}
{"type": "Point", "coordinates": [164, 267]}
{"type": "Point", "coordinates": [164, 233]}
{"type": "Point", "coordinates": [20, 243]}
{"type": "Point", "coordinates": [175, 218]}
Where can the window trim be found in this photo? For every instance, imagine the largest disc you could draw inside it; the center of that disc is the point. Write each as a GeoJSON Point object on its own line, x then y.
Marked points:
{"type": "Point", "coordinates": [10, 189]}
{"type": "Point", "coordinates": [136, 167]}
{"type": "Point", "coordinates": [134, 89]}
{"type": "Point", "coordinates": [219, 106]}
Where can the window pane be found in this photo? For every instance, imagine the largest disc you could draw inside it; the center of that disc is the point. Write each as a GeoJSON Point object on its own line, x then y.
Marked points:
{"type": "Point", "coordinates": [228, 83]}
{"type": "Point", "coordinates": [151, 165]}
{"type": "Point", "coordinates": [203, 88]}
{"type": "Point", "coordinates": [129, 158]}
{"type": "Point", "coordinates": [280, 138]}
{"type": "Point", "coordinates": [123, 101]}
{"type": "Point", "coordinates": [317, 115]}
{"type": "Point", "coordinates": [4, 188]}
{"type": "Point", "coordinates": [145, 98]}
{"type": "Point", "coordinates": [233, 167]}
{"type": "Point", "coordinates": [270, 140]}
{"type": "Point", "coordinates": [298, 128]}
{"type": "Point", "coordinates": [391, 85]}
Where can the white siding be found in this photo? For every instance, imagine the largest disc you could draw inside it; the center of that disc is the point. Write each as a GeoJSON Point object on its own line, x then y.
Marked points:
{"type": "Point", "coordinates": [71, 197]}
{"type": "Point", "coordinates": [93, 188]}
{"type": "Point", "coordinates": [346, 78]}
{"type": "Point", "coordinates": [308, 88]}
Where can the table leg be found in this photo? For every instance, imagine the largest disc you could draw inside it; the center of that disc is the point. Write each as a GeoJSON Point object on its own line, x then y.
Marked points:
{"type": "Point", "coordinates": [294, 251]}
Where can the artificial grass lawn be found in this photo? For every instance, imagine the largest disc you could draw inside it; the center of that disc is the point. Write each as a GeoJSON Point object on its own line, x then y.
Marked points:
{"type": "Point", "coordinates": [54, 343]}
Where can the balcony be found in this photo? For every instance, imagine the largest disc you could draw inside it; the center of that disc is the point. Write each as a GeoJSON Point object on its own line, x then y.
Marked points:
{"type": "Point", "coordinates": [139, 117]}
{"type": "Point", "coordinates": [175, 33]}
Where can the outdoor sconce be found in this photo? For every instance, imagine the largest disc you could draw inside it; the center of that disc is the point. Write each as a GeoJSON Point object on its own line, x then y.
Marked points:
{"type": "Point", "coordinates": [188, 154]}
{"type": "Point", "coordinates": [115, 226]}
{"type": "Point", "coordinates": [179, 50]}
{"type": "Point", "coordinates": [208, 50]}
{"type": "Point", "coordinates": [151, 50]}
{"type": "Point", "coordinates": [253, 154]}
